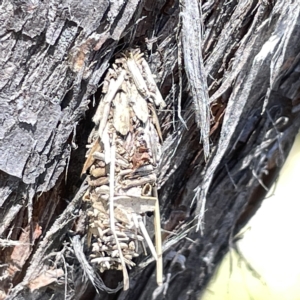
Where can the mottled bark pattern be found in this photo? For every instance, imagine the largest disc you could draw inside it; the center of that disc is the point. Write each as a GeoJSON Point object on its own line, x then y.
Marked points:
{"type": "Point", "coordinates": [53, 58]}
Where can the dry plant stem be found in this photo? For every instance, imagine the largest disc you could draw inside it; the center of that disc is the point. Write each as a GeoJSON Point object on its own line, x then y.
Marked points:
{"type": "Point", "coordinates": [158, 242]}
{"type": "Point", "coordinates": [112, 214]}
{"type": "Point", "coordinates": [139, 204]}
{"type": "Point", "coordinates": [159, 101]}
{"type": "Point", "coordinates": [156, 122]}
{"type": "Point", "coordinates": [90, 159]}
{"type": "Point", "coordinates": [137, 77]}
{"type": "Point", "coordinates": [147, 237]}
{"type": "Point", "coordinates": [108, 98]}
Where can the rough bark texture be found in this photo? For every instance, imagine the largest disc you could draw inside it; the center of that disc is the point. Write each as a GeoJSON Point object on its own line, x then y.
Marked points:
{"type": "Point", "coordinates": [237, 98]}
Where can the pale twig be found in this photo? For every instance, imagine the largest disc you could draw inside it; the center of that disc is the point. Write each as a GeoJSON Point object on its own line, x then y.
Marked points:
{"type": "Point", "coordinates": [111, 211]}
{"type": "Point", "coordinates": [147, 237]}
{"type": "Point", "coordinates": [137, 76]}
{"type": "Point", "coordinates": [113, 88]}
{"type": "Point", "coordinates": [158, 242]}
{"type": "Point", "coordinates": [159, 101]}
{"type": "Point", "coordinates": [136, 224]}
{"type": "Point", "coordinates": [177, 236]}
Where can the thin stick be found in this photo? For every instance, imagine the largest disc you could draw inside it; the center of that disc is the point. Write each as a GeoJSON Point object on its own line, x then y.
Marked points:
{"type": "Point", "coordinates": [158, 244]}
{"type": "Point", "coordinates": [113, 88]}
{"type": "Point", "coordinates": [111, 211]}
{"type": "Point", "coordinates": [147, 237]}
{"type": "Point", "coordinates": [136, 225]}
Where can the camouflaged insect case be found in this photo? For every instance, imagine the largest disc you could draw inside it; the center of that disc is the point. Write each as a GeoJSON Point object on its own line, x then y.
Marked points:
{"type": "Point", "coordinates": [123, 154]}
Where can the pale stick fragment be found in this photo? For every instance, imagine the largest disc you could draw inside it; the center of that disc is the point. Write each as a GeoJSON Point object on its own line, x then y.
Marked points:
{"type": "Point", "coordinates": [121, 113]}
{"type": "Point", "coordinates": [138, 204]}
{"type": "Point", "coordinates": [112, 239]}
{"type": "Point", "coordinates": [128, 142]}
{"type": "Point", "coordinates": [99, 156]}
{"type": "Point", "coordinates": [132, 192]}
{"type": "Point", "coordinates": [147, 74]}
{"type": "Point", "coordinates": [112, 90]}
{"type": "Point", "coordinates": [121, 161]}
{"type": "Point", "coordinates": [138, 103]}
{"type": "Point", "coordinates": [122, 214]}
{"type": "Point", "coordinates": [126, 184]}
{"type": "Point", "coordinates": [147, 237]}
{"type": "Point", "coordinates": [156, 146]}
{"type": "Point", "coordinates": [106, 143]}
{"type": "Point", "coordinates": [92, 136]}
{"type": "Point", "coordinates": [152, 141]}
{"type": "Point", "coordinates": [100, 207]}
{"type": "Point", "coordinates": [144, 170]}
{"type": "Point", "coordinates": [98, 181]}
{"type": "Point", "coordinates": [111, 212]}
{"type": "Point", "coordinates": [98, 172]}
{"type": "Point", "coordinates": [134, 236]}
{"type": "Point", "coordinates": [137, 77]}
{"type": "Point", "coordinates": [155, 121]}
{"type": "Point", "coordinates": [129, 263]}
{"type": "Point", "coordinates": [136, 226]}
{"type": "Point", "coordinates": [137, 54]}
{"type": "Point", "coordinates": [102, 259]}
{"type": "Point", "coordinates": [121, 245]}
{"type": "Point", "coordinates": [158, 243]}
{"type": "Point", "coordinates": [90, 159]}
{"type": "Point", "coordinates": [159, 101]}
{"type": "Point", "coordinates": [104, 189]}
{"type": "Point", "coordinates": [100, 110]}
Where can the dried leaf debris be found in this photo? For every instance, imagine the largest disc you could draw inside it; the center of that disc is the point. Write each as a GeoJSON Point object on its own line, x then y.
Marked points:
{"type": "Point", "coordinates": [122, 159]}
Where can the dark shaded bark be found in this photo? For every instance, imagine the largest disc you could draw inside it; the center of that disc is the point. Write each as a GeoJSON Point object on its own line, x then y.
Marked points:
{"type": "Point", "coordinates": [53, 58]}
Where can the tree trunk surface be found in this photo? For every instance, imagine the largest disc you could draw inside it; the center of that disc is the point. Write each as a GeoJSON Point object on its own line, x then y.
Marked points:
{"type": "Point", "coordinates": [229, 73]}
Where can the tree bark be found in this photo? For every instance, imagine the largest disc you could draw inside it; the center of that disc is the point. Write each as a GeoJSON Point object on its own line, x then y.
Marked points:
{"type": "Point", "coordinates": [229, 73]}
